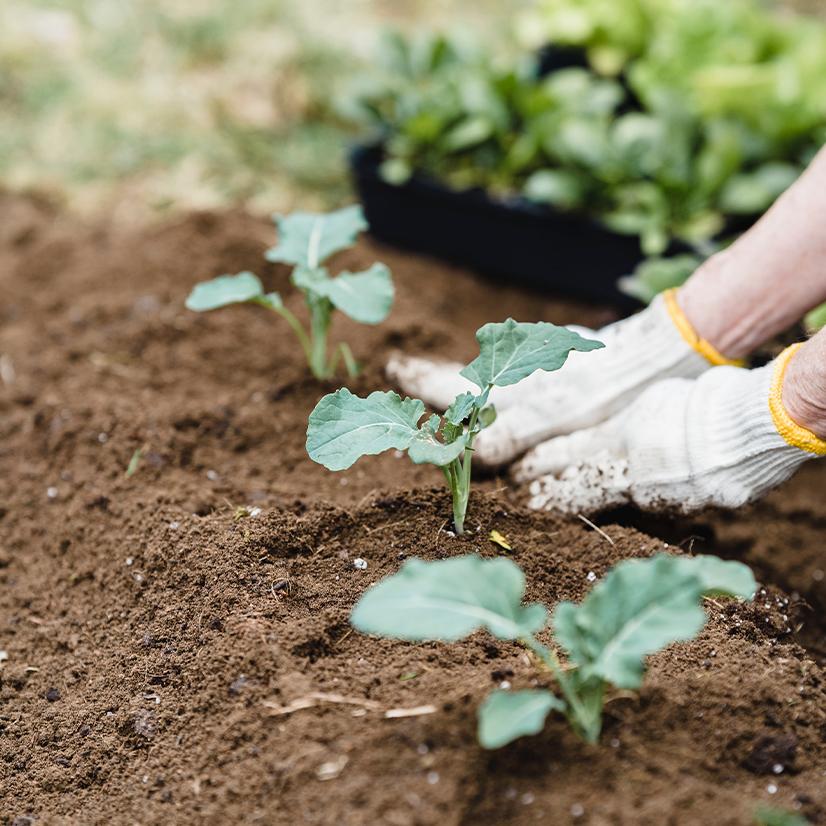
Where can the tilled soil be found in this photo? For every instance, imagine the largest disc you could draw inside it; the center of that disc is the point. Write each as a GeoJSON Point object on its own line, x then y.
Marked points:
{"type": "Point", "coordinates": [176, 655]}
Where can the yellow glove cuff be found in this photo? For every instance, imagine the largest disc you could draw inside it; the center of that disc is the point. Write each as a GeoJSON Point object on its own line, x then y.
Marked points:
{"type": "Point", "coordinates": [793, 433]}
{"type": "Point", "coordinates": [700, 345]}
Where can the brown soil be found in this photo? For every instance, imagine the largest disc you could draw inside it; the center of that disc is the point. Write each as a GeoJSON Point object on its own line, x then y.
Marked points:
{"type": "Point", "coordinates": [154, 634]}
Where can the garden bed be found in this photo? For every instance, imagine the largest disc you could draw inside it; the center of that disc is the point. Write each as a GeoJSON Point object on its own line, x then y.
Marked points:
{"type": "Point", "coordinates": [158, 637]}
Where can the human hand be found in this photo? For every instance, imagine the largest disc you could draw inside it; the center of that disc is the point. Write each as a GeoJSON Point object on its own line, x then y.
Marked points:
{"type": "Point", "coordinates": [656, 343]}
{"type": "Point", "coordinates": [682, 445]}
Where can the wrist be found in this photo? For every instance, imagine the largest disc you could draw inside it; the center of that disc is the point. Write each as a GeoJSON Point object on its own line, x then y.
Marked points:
{"type": "Point", "coordinates": [713, 306]}
{"type": "Point", "coordinates": [804, 387]}
{"type": "Point", "coordinates": [697, 342]}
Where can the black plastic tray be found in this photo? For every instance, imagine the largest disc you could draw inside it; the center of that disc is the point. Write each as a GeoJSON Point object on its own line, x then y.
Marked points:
{"type": "Point", "coordinates": [516, 242]}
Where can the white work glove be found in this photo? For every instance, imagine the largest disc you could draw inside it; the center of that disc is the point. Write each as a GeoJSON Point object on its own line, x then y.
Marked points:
{"type": "Point", "coordinates": [682, 445]}
{"type": "Point", "coordinates": [656, 343]}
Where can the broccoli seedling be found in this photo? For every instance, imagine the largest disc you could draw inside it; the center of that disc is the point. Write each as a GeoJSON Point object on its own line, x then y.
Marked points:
{"type": "Point", "coordinates": [639, 607]}
{"type": "Point", "coordinates": [306, 241]}
{"type": "Point", "coordinates": [344, 427]}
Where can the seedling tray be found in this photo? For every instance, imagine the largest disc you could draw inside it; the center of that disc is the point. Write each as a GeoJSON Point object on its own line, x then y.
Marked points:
{"type": "Point", "coordinates": [512, 241]}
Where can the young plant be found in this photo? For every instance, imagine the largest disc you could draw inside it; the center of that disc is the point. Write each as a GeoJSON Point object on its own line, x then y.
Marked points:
{"type": "Point", "coordinates": [306, 241]}
{"type": "Point", "coordinates": [344, 427]}
{"type": "Point", "coordinates": [638, 608]}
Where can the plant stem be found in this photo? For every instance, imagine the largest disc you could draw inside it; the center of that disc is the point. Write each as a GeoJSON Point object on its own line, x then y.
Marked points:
{"type": "Point", "coordinates": [585, 712]}
{"type": "Point", "coordinates": [349, 360]}
{"type": "Point", "coordinates": [299, 331]}
{"type": "Point", "coordinates": [319, 322]}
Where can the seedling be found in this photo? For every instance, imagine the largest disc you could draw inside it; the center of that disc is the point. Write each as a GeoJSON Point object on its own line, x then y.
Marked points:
{"type": "Point", "coordinates": [638, 608]}
{"type": "Point", "coordinates": [344, 427]}
{"type": "Point", "coordinates": [306, 241]}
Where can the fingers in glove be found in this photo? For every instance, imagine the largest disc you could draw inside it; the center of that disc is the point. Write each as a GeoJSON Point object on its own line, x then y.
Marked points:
{"type": "Point", "coordinates": [555, 455]}
{"type": "Point", "coordinates": [438, 383]}
{"type": "Point", "coordinates": [587, 487]}
{"type": "Point", "coordinates": [435, 383]}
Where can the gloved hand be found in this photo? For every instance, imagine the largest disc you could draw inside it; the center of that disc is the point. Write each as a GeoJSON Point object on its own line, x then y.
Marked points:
{"type": "Point", "coordinates": [656, 343]}
{"type": "Point", "coordinates": [723, 439]}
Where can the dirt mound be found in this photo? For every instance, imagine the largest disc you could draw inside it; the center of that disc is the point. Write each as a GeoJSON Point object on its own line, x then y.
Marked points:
{"type": "Point", "coordinates": [160, 629]}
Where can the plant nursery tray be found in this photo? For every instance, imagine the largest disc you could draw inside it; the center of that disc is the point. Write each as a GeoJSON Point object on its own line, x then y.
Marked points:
{"type": "Point", "coordinates": [515, 241]}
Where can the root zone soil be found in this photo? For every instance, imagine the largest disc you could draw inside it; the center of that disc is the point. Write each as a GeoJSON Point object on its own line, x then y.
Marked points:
{"type": "Point", "coordinates": [171, 659]}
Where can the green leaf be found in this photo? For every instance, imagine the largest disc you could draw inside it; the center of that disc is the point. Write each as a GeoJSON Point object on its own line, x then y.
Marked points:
{"type": "Point", "coordinates": [449, 599]}
{"type": "Point", "coordinates": [720, 576]}
{"type": "Point", "coordinates": [558, 187]}
{"type": "Point", "coordinates": [766, 816]}
{"type": "Point", "coordinates": [224, 290]}
{"type": "Point", "coordinates": [271, 300]}
{"type": "Point", "coordinates": [639, 607]}
{"type": "Point", "coordinates": [508, 715]}
{"type": "Point", "coordinates": [426, 449]}
{"type": "Point", "coordinates": [509, 351]}
{"type": "Point", "coordinates": [470, 132]}
{"type": "Point", "coordinates": [816, 319]}
{"type": "Point", "coordinates": [461, 408]}
{"type": "Point", "coordinates": [364, 296]}
{"type": "Point", "coordinates": [487, 416]}
{"type": "Point", "coordinates": [750, 193]}
{"type": "Point", "coordinates": [309, 239]}
{"type": "Point", "coordinates": [344, 427]}
{"type": "Point", "coordinates": [654, 275]}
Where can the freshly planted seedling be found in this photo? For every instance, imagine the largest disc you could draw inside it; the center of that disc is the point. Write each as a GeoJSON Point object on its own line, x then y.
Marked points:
{"type": "Point", "coordinates": [639, 607]}
{"type": "Point", "coordinates": [344, 427]}
{"type": "Point", "coordinates": [306, 241]}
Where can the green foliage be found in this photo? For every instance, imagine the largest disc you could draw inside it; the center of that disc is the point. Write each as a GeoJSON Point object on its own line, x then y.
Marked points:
{"type": "Point", "coordinates": [713, 111]}
{"type": "Point", "coordinates": [654, 275]}
{"type": "Point", "coordinates": [767, 816]}
{"type": "Point", "coordinates": [449, 600]}
{"type": "Point", "coordinates": [816, 319]}
{"type": "Point", "coordinates": [507, 715]}
{"type": "Point", "coordinates": [510, 352]}
{"type": "Point", "coordinates": [344, 427]}
{"type": "Point", "coordinates": [306, 241]}
{"type": "Point", "coordinates": [640, 607]}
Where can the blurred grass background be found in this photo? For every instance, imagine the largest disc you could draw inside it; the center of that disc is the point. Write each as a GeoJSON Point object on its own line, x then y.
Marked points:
{"type": "Point", "coordinates": [140, 106]}
{"type": "Point", "coordinates": [136, 107]}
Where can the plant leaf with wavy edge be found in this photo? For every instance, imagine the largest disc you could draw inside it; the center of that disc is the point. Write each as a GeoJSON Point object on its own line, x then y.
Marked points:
{"type": "Point", "coordinates": [507, 715]}
{"type": "Point", "coordinates": [449, 599]}
{"type": "Point", "coordinates": [510, 351]}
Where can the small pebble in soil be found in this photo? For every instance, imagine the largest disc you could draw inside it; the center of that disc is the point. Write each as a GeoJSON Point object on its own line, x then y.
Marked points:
{"type": "Point", "coordinates": [818, 574]}
{"type": "Point", "coordinates": [422, 748]}
{"type": "Point", "coordinates": [449, 533]}
{"type": "Point", "coordinates": [173, 526]}
{"type": "Point", "coordinates": [129, 560]}
{"type": "Point", "coordinates": [591, 576]}
{"type": "Point", "coordinates": [771, 788]}
{"type": "Point", "coordinates": [505, 685]}
{"type": "Point", "coordinates": [433, 778]}
{"type": "Point", "coordinates": [52, 695]}
{"type": "Point", "coordinates": [238, 684]}
{"type": "Point", "coordinates": [360, 564]}
{"type": "Point", "coordinates": [51, 492]}
{"type": "Point", "coordinates": [615, 743]}
{"type": "Point", "coordinates": [527, 798]}
{"type": "Point", "coordinates": [777, 768]}
{"type": "Point", "coordinates": [3, 656]}
{"type": "Point", "coordinates": [577, 810]}
{"type": "Point", "coordinates": [212, 475]}
{"type": "Point", "coordinates": [254, 511]}
{"type": "Point", "coordinates": [103, 438]}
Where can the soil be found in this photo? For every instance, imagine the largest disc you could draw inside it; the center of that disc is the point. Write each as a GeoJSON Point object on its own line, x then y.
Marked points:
{"type": "Point", "coordinates": [161, 632]}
